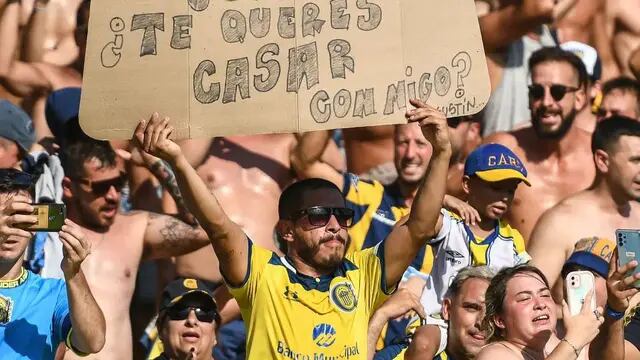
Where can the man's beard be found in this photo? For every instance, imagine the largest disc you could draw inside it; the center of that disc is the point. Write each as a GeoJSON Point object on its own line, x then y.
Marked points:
{"type": "Point", "coordinates": [308, 254]}
{"type": "Point", "coordinates": [559, 133]}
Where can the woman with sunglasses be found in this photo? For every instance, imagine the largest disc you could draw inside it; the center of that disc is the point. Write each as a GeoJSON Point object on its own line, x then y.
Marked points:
{"type": "Point", "coordinates": [187, 321]}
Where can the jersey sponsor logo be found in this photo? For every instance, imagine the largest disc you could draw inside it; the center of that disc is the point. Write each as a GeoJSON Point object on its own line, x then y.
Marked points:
{"type": "Point", "coordinates": [345, 353]}
{"type": "Point", "coordinates": [453, 257]}
{"type": "Point", "coordinates": [343, 296]}
{"type": "Point", "coordinates": [324, 335]}
{"type": "Point", "coordinates": [6, 308]}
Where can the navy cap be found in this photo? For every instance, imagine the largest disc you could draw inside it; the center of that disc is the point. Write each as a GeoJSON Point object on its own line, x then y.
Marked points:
{"type": "Point", "coordinates": [594, 254]}
{"type": "Point", "coordinates": [16, 125]}
{"type": "Point", "coordinates": [495, 162]}
{"type": "Point", "coordinates": [62, 105]}
{"type": "Point", "coordinates": [181, 287]}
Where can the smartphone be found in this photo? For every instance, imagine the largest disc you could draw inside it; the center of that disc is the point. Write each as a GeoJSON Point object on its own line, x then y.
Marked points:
{"type": "Point", "coordinates": [629, 249]}
{"type": "Point", "coordinates": [50, 217]}
{"type": "Point", "coordinates": [578, 285]}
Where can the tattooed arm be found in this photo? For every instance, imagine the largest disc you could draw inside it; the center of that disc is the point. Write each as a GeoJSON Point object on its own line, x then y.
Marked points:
{"type": "Point", "coordinates": [165, 175]}
{"type": "Point", "coordinates": [167, 236]}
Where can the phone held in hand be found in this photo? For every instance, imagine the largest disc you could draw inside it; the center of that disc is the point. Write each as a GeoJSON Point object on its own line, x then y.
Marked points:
{"type": "Point", "coordinates": [578, 285]}
{"type": "Point", "coordinates": [629, 249]}
{"type": "Point", "coordinates": [50, 217]}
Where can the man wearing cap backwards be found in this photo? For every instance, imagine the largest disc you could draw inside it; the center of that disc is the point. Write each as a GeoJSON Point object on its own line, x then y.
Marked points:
{"type": "Point", "coordinates": [16, 135]}
{"type": "Point", "coordinates": [555, 152]}
{"type": "Point", "coordinates": [608, 204]}
{"type": "Point", "coordinates": [187, 321]}
{"type": "Point", "coordinates": [315, 301]}
{"type": "Point", "coordinates": [492, 174]}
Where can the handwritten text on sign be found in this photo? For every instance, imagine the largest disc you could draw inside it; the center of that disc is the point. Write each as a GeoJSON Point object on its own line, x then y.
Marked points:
{"type": "Point", "coordinates": [341, 60]}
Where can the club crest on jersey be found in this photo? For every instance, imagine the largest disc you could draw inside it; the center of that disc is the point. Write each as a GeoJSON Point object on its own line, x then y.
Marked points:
{"type": "Point", "coordinates": [343, 296]}
{"type": "Point", "coordinates": [6, 308]}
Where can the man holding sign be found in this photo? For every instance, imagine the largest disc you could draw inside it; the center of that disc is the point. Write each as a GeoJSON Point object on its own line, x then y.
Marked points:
{"type": "Point", "coordinates": [330, 297]}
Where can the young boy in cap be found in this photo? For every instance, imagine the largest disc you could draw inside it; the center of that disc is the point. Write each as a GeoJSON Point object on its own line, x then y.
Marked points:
{"type": "Point", "coordinates": [187, 321]}
{"type": "Point", "coordinates": [492, 173]}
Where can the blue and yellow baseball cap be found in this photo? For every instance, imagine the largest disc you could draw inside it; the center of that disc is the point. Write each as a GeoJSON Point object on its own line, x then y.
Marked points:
{"type": "Point", "coordinates": [593, 253]}
{"type": "Point", "coordinates": [495, 162]}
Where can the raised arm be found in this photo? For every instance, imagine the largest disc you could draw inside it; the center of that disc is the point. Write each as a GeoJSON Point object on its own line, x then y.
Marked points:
{"type": "Point", "coordinates": [407, 237]}
{"type": "Point", "coordinates": [229, 241]}
{"type": "Point", "coordinates": [168, 236]}
{"type": "Point", "coordinates": [87, 320]}
{"type": "Point", "coordinates": [19, 77]}
{"type": "Point", "coordinates": [306, 158]}
{"type": "Point", "coordinates": [610, 343]}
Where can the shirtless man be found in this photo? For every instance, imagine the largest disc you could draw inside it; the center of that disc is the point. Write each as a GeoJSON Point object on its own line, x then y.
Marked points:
{"type": "Point", "coordinates": [50, 33]}
{"type": "Point", "coordinates": [94, 178]}
{"type": "Point", "coordinates": [609, 204]}
{"type": "Point", "coordinates": [510, 35]}
{"type": "Point", "coordinates": [556, 154]}
{"type": "Point", "coordinates": [31, 78]}
{"type": "Point", "coordinates": [623, 28]}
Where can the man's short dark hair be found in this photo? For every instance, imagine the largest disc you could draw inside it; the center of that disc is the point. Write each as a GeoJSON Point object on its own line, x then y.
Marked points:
{"type": "Point", "coordinates": [12, 181]}
{"type": "Point", "coordinates": [75, 155]}
{"type": "Point", "coordinates": [307, 193]}
{"type": "Point", "coordinates": [609, 131]}
{"type": "Point", "coordinates": [624, 84]}
{"type": "Point", "coordinates": [557, 54]}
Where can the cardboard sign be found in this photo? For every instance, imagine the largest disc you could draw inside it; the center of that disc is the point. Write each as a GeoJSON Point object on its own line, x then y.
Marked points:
{"type": "Point", "coordinates": [221, 67]}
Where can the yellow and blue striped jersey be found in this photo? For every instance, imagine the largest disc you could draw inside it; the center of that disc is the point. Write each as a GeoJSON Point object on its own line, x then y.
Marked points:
{"type": "Point", "coordinates": [376, 210]}
{"type": "Point", "coordinates": [456, 247]}
{"type": "Point", "coordinates": [289, 315]}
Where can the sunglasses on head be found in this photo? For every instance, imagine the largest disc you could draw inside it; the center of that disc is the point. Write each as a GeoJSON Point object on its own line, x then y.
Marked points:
{"type": "Point", "coordinates": [320, 215]}
{"type": "Point", "coordinates": [100, 188]}
{"type": "Point", "coordinates": [182, 313]}
{"type": "Point", "coordinates": [536, 91]}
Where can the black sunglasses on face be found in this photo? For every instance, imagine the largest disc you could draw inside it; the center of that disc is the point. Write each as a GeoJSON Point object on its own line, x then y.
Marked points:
{"type": "Point", "coordinates": [536, 91]}
{"type": "Point", "coordinates": [101, 188]}
{"type": "Point", "coordinates": [320, 215]}
{"type": "Point", "coordinates": [182, 313]}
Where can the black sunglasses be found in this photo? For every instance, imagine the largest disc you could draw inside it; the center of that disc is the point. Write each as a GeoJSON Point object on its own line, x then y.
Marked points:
{"type": "Point", "coordinates": [101, 188]}
{"type": "Point", "coordinates": [182, 313]}
{"type": "Point", "coordinates": [320, 215]}
{"type": "Point", "coordinates": [536, 91]}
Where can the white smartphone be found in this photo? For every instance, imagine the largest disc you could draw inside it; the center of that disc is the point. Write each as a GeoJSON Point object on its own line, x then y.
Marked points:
{"type": "Point", "coordinates": [578, 285]}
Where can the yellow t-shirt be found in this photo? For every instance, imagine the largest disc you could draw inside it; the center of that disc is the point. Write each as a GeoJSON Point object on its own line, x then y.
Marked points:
{"type": "Point", "coordinates": [289, 315]}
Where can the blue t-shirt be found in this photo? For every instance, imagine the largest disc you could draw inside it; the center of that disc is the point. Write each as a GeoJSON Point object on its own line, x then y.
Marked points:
{"type": "Point", "coordinates": [34, 317]}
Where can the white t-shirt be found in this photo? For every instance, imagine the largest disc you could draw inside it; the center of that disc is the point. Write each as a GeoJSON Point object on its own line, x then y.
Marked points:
{"type": "Point", "coordinates": [455, 247]}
